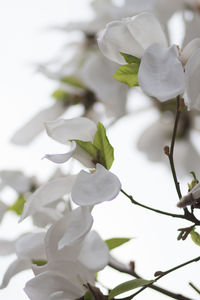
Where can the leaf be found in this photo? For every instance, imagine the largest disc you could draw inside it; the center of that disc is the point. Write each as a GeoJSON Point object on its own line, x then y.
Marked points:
{"type": "Point", "coordinates": [60, 95]}
{"type": "Point", "coordinates": [89, 148]}
{"type": "Point", "coordinates": [127, 74]}
{"type": "Point", "coordinates": [71, 80]}
{"type": "Point", "coordinates": [39, 262]}
{"type": "Point", "coordinates": [18, 205]}
{"type": "Point", "coordinates": [195, 237]}
{"type": "Point", "coordinates": [128, 286]}
{"type": "Point", "coordinates": [116, 242]}
{"type": "Point", "coordinates": [130, 59]}
{"type": "Point", "coordinates": [101, 142]}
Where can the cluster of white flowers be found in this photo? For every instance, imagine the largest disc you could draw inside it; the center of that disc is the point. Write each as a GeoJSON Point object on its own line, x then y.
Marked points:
{"type": "Point", "coordinates": [65, 253]}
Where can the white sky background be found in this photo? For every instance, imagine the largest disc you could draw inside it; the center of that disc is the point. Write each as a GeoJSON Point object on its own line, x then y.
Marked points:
{"type": "Point", "coordinates": [25, 41]}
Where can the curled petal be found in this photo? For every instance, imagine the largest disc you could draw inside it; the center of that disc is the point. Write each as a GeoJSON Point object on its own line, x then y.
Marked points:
{"type": "Point", "coordinates": [61, 158]}
{"type": "Point", "coordinates": [16, 267]}
{"type": "Point", "coordinates": [161, 73]}
{"type": "Point", "coordinates": [94, 252]}
{"type": "Point", "coordinates": [35, 126]}
{"type": "Point", "coordinates": [46, 194]}
{"type": "Point", "coordinates": [73, 129]}
{"type": "Point", "coordinates": [192, 86]}
{"type": "Point", "coordinates": [91, 189]}
{"type": "Point", "coordinates": [64, 238]}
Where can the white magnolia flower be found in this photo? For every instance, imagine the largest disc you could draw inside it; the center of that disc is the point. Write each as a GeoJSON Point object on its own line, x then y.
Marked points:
{"type": "Point", "coordinates": [164, 72]}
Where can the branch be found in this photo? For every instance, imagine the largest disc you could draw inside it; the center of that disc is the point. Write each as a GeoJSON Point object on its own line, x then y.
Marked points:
{"type": "Point", "coordinates": [153, 209]}
{"type": "Point", "coordinates": [124, 269]}
{"type": "Point", "coordinates": [167, 272]}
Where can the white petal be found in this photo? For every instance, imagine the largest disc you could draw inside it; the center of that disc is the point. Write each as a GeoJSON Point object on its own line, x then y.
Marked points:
{"type": "Point", "coordinates": [161, 73]}
{"type": "Point", "coordinates": [68, 234]}
{"type": "Point", "coordinates": [16, 267]}
{"type": "Point", "coordinates": [48, 193]}
{"type": "Point", "coordinates": [190, 49]}
{"type": "Point", "coordinates": [31, 246]}
{"type": "Point", "coordinates": [44, 285]}
{"type": "Point", "coordinates": [73, 129]}
{"type": "Point", "coordinates": [7, 247]}
{"type": "Point", "coordinates": [79, 223]}
{"type": "Point", "coordinates": [146, 30]}
{"type": "Point", "coordinates": [90, 189]}
{"type": "Point", "coordinates": [83, 157]}
{"type": "Point", "coordinates": [35, 126]}
{"type": "Point", "coordinates": [116, 38]}
{"type": "Point", "coordinates": [94, 252]}
{"type": "Point", "coordinates": [3, 210]}
{"type": "Point", "coordinates": [192, 86]}
{"type": "Point", "coordinates": [17, 180]}
{"type": "Point", "coordinates": [61, 158]}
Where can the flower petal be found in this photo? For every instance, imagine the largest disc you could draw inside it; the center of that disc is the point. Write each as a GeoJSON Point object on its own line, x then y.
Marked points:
{"type": "Point", "coordinates": [17, 180]}
{"type": "Point", "coordinates": [7, 247]}
{"type": "Point", "coordinates": [146, 30]}
{"type": "Point", "coordinates": [47, 193]}
{"type": "Point", "coordinates": [30, 130]}
{"type": "Point", "coordinates": [31, 246]}
{"type": "Point", "coordinates": [94, 252]}
{"type": "Point", "coordinates": [190, 49]}
{"type": "Point", "coordinates": [16, 267]}
{"type": "Point", "coordinates": [73, 129]}
{"type": "Point", "coordinates": [116, 38]}
{"type": "Point", "coordinates": [44, 285]}
{"type": "Point", "coordinates": [61, 158]}
{"type": "Point", "coordinates": [161, 73]}
{"type": "Point", "coordinates": [192, 86]}
{"type": "Point", "coordinates": [91, 189]}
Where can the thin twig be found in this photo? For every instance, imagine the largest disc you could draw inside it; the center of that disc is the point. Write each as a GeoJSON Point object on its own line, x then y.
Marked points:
{"type": "Point", "coordinates": [166, 273]}
{"type": "Point", "coordinates": [124, 269]}
{"type": "Point", "coordinates": [152, 209]}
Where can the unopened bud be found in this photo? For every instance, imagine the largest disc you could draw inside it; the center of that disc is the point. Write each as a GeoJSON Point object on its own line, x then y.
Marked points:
{"type": "Point", "coordinates": [158, 273]}
{"type": "Point", "coordinates": [166, 150]}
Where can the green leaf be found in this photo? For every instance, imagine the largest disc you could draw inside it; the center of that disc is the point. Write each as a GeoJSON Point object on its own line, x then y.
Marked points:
{"type": "Point", "coordinates": [128, 286]}
{"type": "Point", "coordinates": [39, 262]}
{"type": "Point", "coordinates": [130, 59]}
{"type": "Point", "coordinates": [101, 142]}
{"type": "Point", "coordinates": [18, 205]}
{"type": "Point", "coordinates": [116, 242]}
{"type": "Point", "coordinates": [71, 80]}
{"type": "Point", "coordinates": [193, 182]}
{"type": "Point", "coordinates": [128, 74]}
{"type": "Point", "coordinates": [90, 149]}
{"type": "Point", "coordinates": [60, 94]}
{"type": "Point", "coordinates": [195, 237]}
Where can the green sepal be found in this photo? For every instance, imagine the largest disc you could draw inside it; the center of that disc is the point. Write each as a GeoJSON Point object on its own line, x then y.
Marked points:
{"type": "Point", "coordinates": [130, 59]}
{"type": "Point", "coordinates": [100, 150]}
{"type": "Point", "coordinates": [102, 143]}
{"type": "Point", "coordinates": [18, 205]}
{"type": "Point", "coordinates": [195, 236]}
{"type": "Point", "coordinates": [60, 94]}
{"type": "Point", "coordinates": [128, 286]}
{"type": "Point", "coordinates": [71, 80]}
{"type": "Point", "coordinates": [116, 242]}
{"type": "Point", "coordinates": [91, 149]}
{"type": "Point", "coordinates": [128, 74]}
{"type": "Point", "coordinates": [39, 262]}
{"type": "Point", "coordinates": [193, 182]}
